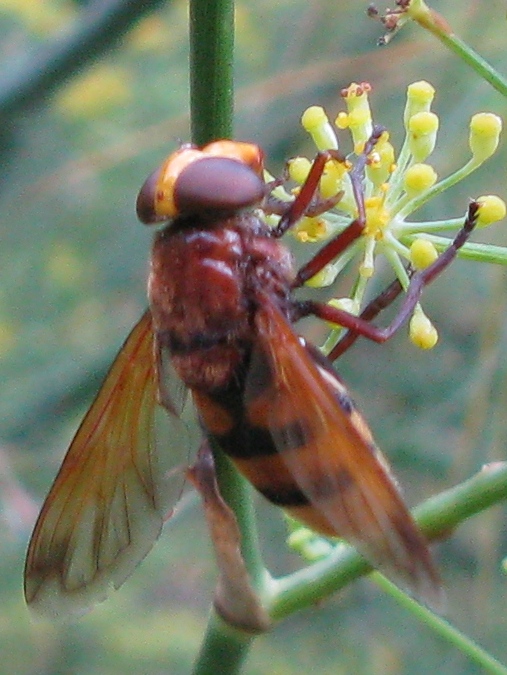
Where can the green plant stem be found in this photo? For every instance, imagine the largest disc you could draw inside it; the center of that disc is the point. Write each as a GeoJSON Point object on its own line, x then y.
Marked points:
{"type": "Point", "coordinates": [238, 494]}
{"type": "Point", "coordinates": [415, 203]}
{"type": "Point", "coordinates": [443, 628]}
{"type": "Point", "coordinates": [474, 60]}
{"type": "Point", "coordinates": [100, 26]}
{"type": "Point", "coordinates": [437, 517]}
{"type": "Point", "coordinates": [430, 20]}
{"type": "Point", "coordinates": [488, 253]}
{"type": "Point", "coordinates": [223, 650]}
{"type": "Point", "coordinates": [211, 106]}
{"type": "Point", "coordinates": [211, 69]}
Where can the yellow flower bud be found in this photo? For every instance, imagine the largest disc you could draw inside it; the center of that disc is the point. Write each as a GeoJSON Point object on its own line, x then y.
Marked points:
{"type": "Point", "coordinates": [316, 123]}
{"type": "Point", "coordinates": [331, 181]}
{"type": "Point", "coordinates": [342, 120]}
{"type": "Point", "coordinates": [358, 119]}
{"type": "Point", "coordinates": [298, 168]}
{"type": "Point", "coordinates": [419, 98]}
{"type": "Point", "coordinates": [381, 161]}
{"type": "Point", "coordinates": [423, 123]}
{"type": "Point", "coordinates": [485, 131]}
{"type": "Point", "coordinates": [422, 129]}
{"type": "Point", "coordinates": [491, 210]}
{"type": "Point", "coordinates": [418, 178]}
{"type": "Point", "coordinates": [356, 94]}
{"type": "Point", "coordinates": [422, 253]}
{"type": "Point", "coordinates": [422, 332]}
{"type": "Point", "coordinates": [313, 117]}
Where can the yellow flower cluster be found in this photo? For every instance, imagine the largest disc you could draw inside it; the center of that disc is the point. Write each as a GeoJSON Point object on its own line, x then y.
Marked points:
{"type": "Point", "coordinates": [394, 187]}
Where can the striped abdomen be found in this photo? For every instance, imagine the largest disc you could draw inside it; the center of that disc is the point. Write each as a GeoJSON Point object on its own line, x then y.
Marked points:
{"type": "Point", "coordinates": [240, 419]}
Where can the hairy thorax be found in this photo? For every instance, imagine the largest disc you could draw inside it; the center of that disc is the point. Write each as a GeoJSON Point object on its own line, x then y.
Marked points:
{"type": "Point", "coordinates": [203, 293]}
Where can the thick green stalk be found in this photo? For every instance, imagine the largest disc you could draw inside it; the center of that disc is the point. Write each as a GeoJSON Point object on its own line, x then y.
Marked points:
{"type": "Point", "coordinates": [211, 102]}
{"type": "Point", "coordinates": [211, 105]}
{"type": "Point", "coordinates": [223, 650]}
{"type": "Point", "coordinates": [211, 69]}
{"type": "Point", "coordinates": [238, 494]}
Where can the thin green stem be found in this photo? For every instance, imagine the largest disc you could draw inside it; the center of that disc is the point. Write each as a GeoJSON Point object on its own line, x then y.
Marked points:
{"type": "Point", "coordinates": [408, 228]}
{"type": "Point", "coordinates": [211, 69]}
{"type": "Point", "coordinates": [473, 59]}
{"type": "Point", "coordinates": [443, 628]}
{"type": "Point", "coordinates": [487, 253]}
{"type": "Point", "coordinates": [436, 517]}
{"type": "Point", "coordinates": [402, 210]}
{"type": "Point", "coordinates": [393, 252]}
{"type": "Point", "coordinates": [438, 26]}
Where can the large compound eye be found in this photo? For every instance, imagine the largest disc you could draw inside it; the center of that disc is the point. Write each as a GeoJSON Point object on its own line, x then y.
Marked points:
{"type": "Point", "coordinates": [155, 201]}
{"type": "Point", "coordinates": [217, 184]}
{"type": "Point", "coordinates": [145, 204]}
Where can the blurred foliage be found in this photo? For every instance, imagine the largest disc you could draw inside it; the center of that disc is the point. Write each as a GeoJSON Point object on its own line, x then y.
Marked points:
{"type": "Point", "coordinates": [73, 262]}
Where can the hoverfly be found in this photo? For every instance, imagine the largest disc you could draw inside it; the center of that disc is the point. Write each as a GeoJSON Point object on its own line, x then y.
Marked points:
{"type": "Point", "coordinates": [220, 320]}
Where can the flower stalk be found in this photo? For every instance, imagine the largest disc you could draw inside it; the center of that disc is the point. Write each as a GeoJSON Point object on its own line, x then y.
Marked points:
{"type": "Point", "coordinates": [437, 25]}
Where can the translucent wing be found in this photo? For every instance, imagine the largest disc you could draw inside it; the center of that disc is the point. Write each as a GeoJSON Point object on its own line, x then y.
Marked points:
{"type": "Point", "coordinates": [342, 484]}
{"type": "Point", "coordinates": [110, 498]}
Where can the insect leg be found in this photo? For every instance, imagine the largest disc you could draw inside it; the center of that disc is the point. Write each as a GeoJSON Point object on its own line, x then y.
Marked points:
{"type": "Point", "coordinates": [301, 206]}
{"type": "Point", "coordinates": [361, 325]}
{"type": "Point", "coordinates": [329, 252]}
{"type": "Point", "coordinates": [373, 309]}
{"type": "Point", "coordinates": [345, 238]}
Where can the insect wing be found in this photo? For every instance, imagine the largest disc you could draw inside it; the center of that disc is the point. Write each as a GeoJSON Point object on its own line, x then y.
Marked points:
{"type": "Point", "coordinates": [172, 392]}
{"type": "Point", "coordinates": [111, 496]}
{"type": "Point", "coordinates": [342, 484]}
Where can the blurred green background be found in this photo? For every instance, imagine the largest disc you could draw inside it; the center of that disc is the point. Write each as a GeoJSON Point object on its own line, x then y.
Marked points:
{"type": "Point", "coordinates": [73, 265]}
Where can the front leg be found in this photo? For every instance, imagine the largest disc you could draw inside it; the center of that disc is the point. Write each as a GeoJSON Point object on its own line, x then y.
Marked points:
{"type": "Point", "coordinates": [305, 204]}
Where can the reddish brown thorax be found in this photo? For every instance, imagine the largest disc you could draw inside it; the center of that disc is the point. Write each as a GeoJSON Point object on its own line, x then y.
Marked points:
{"type": "Point", "coordinates": [201, 292]}
{"type": "Point", "coordinates": [209, 258]}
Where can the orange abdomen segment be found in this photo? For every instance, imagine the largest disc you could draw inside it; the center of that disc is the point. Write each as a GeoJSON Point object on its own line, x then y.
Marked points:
{"type": "Point", "coordinates": [252, 450]}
